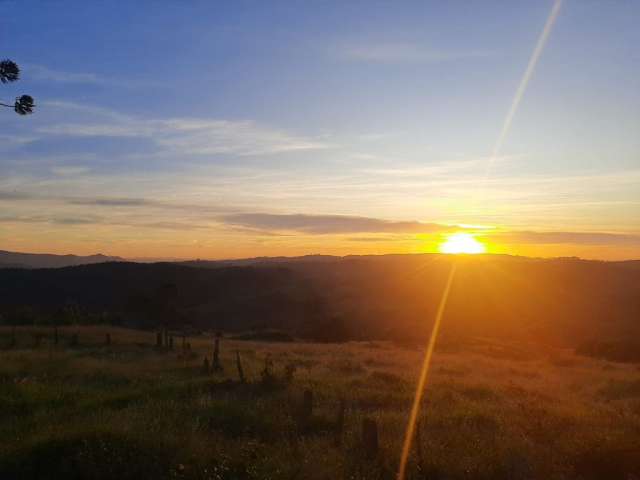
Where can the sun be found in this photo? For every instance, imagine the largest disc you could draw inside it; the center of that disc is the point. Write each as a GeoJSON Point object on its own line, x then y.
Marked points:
{"type": "Point", "coordinates": [461, 243]}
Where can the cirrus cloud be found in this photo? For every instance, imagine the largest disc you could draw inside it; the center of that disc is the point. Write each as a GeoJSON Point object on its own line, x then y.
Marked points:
{"type": "Point", "coordinates": [328, 224]}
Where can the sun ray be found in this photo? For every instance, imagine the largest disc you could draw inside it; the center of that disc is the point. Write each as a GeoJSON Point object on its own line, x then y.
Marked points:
{"type": "Point", "coordinates": [408, 439]}
{"type": "Point", "coordinates": [517, 98]}
{"type": "Point", "coordinates": [422, 379]}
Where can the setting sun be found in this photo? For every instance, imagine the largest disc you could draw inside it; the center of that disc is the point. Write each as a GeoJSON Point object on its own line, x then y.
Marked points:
{"type": "Point", "coordinates": [462, 243]}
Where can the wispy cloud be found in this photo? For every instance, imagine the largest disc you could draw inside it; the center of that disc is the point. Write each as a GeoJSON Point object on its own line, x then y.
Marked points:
{"type": "Point", "coordinates": [405, 53]}
{"type": "Point", "coordinates": [105, 113]}
{"type": "Point", "coordinates": [157, 214]}
{"type": "Point", "coordinates": [188, 136]}
{"type": "Point", "coordinates": [93, 220]}
{"type": "Point", "coordinates": [223, 136]}
{"type": "Point", "coordinates": [40, 72]}
{"type": "Point", "coordinates": [16, 140]}
{"type": "Point", "coordinates": [110, 202]}
{"type": "Point", "coordinates": [43, 73]}
{"type": "Point", "coordinates": [555, 238]}
{"type": "Point", "coordinates": [70, 170]}
{"type": "Point", "coordinates": [16, 197]}
{"type": "Point", "coordinates": [51, 219]}
{"type": "Point", "coordinates": [13, 195]}
{"type": "Point", "coordinates": [328, 224]}
{"type": "Point", "coordinates": [436, 169]}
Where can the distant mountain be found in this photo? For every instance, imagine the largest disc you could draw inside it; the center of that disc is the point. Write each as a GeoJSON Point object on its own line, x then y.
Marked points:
{"type": "Point", "coordinates": [259, 261]}
{"type": "Point", "coordinates": [46, 260]}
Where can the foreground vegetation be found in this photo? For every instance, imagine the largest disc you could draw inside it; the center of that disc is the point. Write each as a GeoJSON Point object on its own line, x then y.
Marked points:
{"type": "Point", "coordinates": [127, 409]}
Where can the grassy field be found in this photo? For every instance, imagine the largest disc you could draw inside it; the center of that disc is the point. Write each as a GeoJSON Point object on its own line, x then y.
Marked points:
{"type": "Point", "coordinates": [128, 410]}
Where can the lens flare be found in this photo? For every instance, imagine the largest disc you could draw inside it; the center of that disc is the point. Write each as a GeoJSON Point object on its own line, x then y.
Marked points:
{"type": "Point", "coordinates": [422, 380]}
{"type": "Point", "coordinates": [522, 87]}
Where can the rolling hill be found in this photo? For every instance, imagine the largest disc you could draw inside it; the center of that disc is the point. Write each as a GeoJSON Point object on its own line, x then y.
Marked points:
{"type": "Point", "coordinates": [563, 301]}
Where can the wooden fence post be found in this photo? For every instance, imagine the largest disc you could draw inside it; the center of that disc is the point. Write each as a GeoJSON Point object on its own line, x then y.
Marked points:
{"type": "Point", "coordinates": [215, 363]}
{"type": "Point", "coordinates": [307, 407]}
{"type": "Point", "coordinates": [340, 422]}
{"type": "Point", "coordinates": [205, 366]}
{"type": "Point", "coordinates": [239, 366]}
{"type": "Point", "coordinates": [370, 437]}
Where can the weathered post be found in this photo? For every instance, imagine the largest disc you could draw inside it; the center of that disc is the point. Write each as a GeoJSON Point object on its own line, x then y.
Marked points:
{"type": "Point", "coordinates": [306, 411]}
{"type": "Point", "coordinates": [239, 367]}
{"type": "Point", "coordinates": [205, 366]}
{"type": "Point", "coordinates": [107, 339]}
{"type": "Point", "coordinates": [340, 422]}
{"type": "Point", "coordinates": [370, 437]}
{"type": "Point", "coordinates": [215, 363]}
{"type": "Point", "coordinates": [289, 372]}
{"type": "Point", "coordinates": [268, 379]}
{"type": "Point", "coordinates": [171, 342]}
{"type": "Point", "coordinates": [159, 339]}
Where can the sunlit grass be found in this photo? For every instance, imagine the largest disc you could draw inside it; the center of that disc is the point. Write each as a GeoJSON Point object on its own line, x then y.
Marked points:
{"type": "Point", "coordinates": [492, 410]}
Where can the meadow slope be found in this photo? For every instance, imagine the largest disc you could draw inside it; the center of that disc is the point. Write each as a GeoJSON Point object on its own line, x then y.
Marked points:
{"type": "Point", "coordinates": [130, 410]}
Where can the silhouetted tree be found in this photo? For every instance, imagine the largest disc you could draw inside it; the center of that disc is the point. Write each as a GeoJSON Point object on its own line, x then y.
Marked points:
{"type": "Point", "coordinates": [10, 72]}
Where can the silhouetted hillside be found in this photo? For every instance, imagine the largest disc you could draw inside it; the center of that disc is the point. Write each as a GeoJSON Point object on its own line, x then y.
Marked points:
{"type": "Point", "coordinates": [164, 293]}
{"type": "Point", "coordinates": [567, 301]}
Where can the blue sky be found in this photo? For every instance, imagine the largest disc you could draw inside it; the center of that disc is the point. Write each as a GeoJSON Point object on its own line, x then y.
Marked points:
{"type": "Point", "coordinates": [166, 127]}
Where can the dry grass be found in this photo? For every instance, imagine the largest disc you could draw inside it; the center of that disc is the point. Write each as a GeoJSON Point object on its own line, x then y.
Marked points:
{"type": "Point", "coordinates": [128, 411]}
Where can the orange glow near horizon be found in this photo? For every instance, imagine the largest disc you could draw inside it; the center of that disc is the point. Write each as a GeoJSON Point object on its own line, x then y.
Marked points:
{"type": "Point", "coordinates": [462, 243]}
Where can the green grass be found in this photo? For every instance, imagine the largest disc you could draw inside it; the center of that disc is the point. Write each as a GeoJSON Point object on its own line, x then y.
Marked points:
{"type": "Point", "coordinates": [491, 411]}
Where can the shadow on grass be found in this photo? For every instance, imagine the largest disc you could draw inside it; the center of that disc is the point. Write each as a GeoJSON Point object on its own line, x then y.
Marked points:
{"type": "Point", "coordinates": [84, 455]}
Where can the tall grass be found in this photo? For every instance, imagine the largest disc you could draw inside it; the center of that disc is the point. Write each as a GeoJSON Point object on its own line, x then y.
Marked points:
{"type": "Point", "coordinates": [130, 410]}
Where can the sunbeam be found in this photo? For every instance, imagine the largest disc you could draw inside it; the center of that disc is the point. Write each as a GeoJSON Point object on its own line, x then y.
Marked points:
{"type": "Point", "coordinates": [415, 409]}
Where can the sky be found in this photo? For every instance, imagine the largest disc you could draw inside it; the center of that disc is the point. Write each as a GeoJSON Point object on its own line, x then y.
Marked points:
{"type": "Point", "coordinates": [238, 129]}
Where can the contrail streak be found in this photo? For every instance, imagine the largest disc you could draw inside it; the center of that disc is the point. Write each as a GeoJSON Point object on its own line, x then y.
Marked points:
{"type": "Point", "coordinates": [506, 126]}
